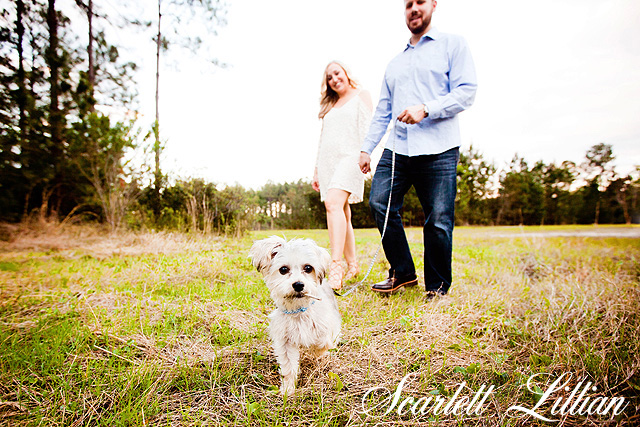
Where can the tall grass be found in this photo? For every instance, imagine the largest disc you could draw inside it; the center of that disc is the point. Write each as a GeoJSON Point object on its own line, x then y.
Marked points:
{"type": "Point", "coordinates": [170, 329]}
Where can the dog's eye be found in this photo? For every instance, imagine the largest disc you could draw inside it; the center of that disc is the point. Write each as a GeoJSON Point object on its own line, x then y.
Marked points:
{"type": "Point", "coordinates": [284, 270]}
{"type": "Point", "coordinates": [308, 269]}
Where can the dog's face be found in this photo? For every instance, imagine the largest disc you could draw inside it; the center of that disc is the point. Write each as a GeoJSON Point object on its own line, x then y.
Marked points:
{"type": "Point", "coordinates": [291, 269]}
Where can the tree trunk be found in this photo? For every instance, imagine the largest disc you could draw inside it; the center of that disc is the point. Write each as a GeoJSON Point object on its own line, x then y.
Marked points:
{"type": "Point", "coordinates": [22, 90]}
{"type": "Point", "coordinates": [55, 113]}
{"type": "Point", "coordinates": [156, 127]}
{"type": "Point", "coordinates": [53, 61]}
{"type": "Point", "coordinates": [92, 71]}
{"type": "Point", "coordinates": [621, 198]}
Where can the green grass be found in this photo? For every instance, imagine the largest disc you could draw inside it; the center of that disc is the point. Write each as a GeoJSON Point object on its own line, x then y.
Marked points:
{"type": "Point", "coordinates": [162, 329]}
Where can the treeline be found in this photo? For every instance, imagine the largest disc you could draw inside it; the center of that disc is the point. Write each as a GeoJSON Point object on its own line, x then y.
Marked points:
{"type": "Point", "coordinates": [71, 146]}
{"type": "Point", "coordinates": [591, 192]}
{"type": "Point", "coordinates": [71, 149]}
{"type": "Point", "coordinates": [59, 154]}
{"type": "Point", "coordinates": [539, 194]}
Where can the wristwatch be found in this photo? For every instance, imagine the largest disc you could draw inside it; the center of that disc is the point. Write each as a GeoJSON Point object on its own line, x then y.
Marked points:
{"type": "Point", "coordinates": [426, 110]}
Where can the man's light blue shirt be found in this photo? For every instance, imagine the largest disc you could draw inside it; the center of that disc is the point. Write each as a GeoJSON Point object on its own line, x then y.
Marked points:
{"type": "Point", "coordinates": [439, 73]}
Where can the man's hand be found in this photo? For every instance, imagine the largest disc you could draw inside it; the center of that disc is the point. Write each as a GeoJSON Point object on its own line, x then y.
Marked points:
{"type": "Point", "coordinates": [365, 162]}
{"type": "Point", "coordinates": [412, 115]}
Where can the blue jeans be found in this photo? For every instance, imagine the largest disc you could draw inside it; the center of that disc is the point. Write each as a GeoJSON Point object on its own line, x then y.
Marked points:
{"type": "Point", "coordinates": [434, 178]}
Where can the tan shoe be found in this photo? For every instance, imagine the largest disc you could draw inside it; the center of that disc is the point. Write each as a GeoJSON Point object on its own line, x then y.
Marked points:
{"type": "Point", "coordinates": [335, 275]}
{"type": "Point", "coordinates": [353, 269]}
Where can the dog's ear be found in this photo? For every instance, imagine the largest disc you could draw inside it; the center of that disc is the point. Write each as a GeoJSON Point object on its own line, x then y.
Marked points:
{"type": "Point", "coordinates": [325, 261]}
{"type": "Point", "coordinates": [263, 251]}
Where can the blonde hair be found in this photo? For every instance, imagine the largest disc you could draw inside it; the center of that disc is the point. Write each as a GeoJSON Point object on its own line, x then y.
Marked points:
{"type": "Point", "coordinates": [328, 96]}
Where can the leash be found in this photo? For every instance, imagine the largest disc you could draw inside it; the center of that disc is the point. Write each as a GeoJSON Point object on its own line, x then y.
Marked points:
{"type": "Point", "coordinates": [386, 218]}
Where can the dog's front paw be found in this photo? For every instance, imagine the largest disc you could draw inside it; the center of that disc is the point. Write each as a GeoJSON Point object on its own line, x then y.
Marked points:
{"type": "Point", "coordinates": [288, 386]}
{"type": "Point", "coordinates": [320, 352]}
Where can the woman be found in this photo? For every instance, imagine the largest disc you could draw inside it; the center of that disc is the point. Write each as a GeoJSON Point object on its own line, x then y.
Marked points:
{"type": "Point", "coordinates": [345, 111]}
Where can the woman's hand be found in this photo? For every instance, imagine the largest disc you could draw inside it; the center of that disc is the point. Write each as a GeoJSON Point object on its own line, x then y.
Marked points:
{"type": "Point", "coordinates": [315, 184]}
{"type": "Point", "coordinates": [365, 162]}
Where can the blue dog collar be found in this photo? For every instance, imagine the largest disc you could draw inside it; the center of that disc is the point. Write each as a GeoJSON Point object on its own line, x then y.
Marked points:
{"type": "Point", "coordinates": [300, 310]}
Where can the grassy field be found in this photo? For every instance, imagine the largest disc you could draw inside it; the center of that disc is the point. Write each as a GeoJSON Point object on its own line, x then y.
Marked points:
{"type": "Point", "coordinates": [170, 330]}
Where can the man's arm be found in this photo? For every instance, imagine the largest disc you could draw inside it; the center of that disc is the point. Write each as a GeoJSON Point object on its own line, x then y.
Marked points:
{"type": "Point", "coordinates": [462, 81]}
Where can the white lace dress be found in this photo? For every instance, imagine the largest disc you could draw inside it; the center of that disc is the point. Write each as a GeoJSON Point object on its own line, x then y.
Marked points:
{"type": "Point", "coordinates": [343, 130]}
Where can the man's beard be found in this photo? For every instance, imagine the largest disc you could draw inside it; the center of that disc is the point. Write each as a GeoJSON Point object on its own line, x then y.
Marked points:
{"type": "Point", "coordinates": [421, 28]}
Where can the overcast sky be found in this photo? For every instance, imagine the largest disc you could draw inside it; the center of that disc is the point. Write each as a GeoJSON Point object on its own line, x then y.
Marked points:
{"type": "Point", "coordinates": [554, 78]}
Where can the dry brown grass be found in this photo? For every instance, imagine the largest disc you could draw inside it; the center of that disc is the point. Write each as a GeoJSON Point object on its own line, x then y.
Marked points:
{"type": "Point", "coordinates": [100, 242]}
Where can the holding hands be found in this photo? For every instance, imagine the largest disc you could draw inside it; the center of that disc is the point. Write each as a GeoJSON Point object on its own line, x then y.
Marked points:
{"type": "Point", "coordinates": [365, 162]}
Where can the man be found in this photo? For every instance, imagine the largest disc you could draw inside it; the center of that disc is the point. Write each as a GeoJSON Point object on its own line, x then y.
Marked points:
{"type": "Point", "coordinates": [424, 87]}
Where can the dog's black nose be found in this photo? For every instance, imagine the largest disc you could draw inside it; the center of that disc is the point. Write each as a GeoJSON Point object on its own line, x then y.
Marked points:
{"type": "Point", "coordinates": [298, 286]}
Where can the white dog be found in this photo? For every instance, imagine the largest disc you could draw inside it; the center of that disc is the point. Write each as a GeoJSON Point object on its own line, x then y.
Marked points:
{"type": "Point", "coordinates": [307, 313]}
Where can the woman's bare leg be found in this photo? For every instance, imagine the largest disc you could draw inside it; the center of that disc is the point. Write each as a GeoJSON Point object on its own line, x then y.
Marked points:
{"type": "Point", "coordinates": [350, 237]}
{"type": "Point", "coordinates": [337, 224]}
{"type": "Point", "coordinates": [337, 221]}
